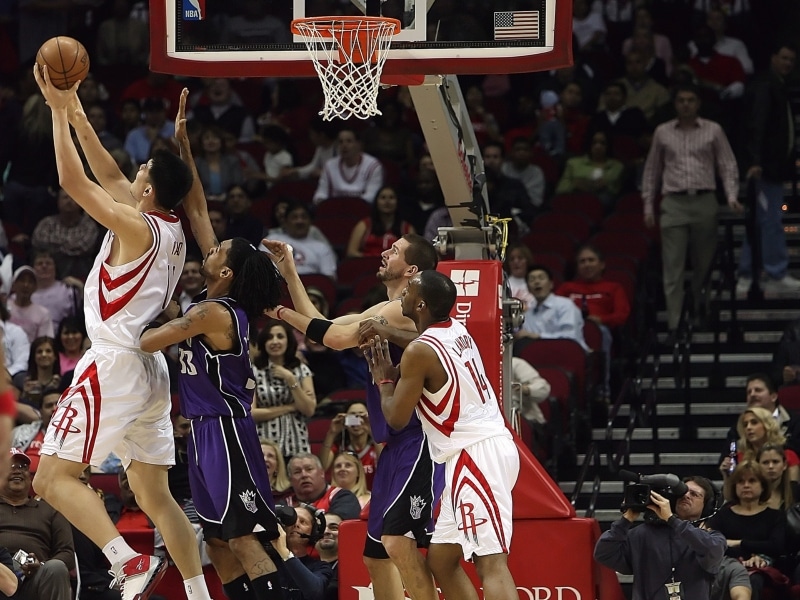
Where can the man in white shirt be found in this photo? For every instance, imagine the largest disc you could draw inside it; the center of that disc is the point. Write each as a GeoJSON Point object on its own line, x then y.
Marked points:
{"type": "Point", "coordinates": [351, 174]}
{"type": "Point", "coordinates": [550, 316]}
{"type": "Point", "coordinates": [34, 318]}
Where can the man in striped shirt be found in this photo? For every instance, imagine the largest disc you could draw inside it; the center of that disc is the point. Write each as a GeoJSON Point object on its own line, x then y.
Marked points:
{"type": "Point", "coordinates": [685, 155]}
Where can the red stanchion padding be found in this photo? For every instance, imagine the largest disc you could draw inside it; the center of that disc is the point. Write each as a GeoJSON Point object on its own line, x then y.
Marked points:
{"type": "Point", "coordinates": [536, 495]}
{"type": "Point", "coordinates": [550, 559]}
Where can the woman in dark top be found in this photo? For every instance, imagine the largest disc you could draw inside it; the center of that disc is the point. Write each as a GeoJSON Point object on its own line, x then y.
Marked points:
{"type": "Point", "coordinates": [755, 532]}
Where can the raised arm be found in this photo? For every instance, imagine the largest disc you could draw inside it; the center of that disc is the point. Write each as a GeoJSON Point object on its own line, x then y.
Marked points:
{"type": "Point", "coordinates": [102, 164]}
{"type": "Point", "coordinates": [123, 220]}
{"type": "Point", "coordinates": [195, 202]}
{"type": "Point", "coordinates": [210, 319]}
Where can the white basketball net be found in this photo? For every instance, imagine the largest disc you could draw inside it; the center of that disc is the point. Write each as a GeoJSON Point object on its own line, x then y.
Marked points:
{"type": "Point", "coordinates": [348, 55]}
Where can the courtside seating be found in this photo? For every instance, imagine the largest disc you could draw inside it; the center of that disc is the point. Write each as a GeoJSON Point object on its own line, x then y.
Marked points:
{"type": "Point", "coordinates": [578, 225]}
{"type": "Point", "coordinates": [554, 241]}
{"type": "Point", "coordinates": [322, 282]}
{"type": "Point", "coordinates": [317, 428]}
{"type": "Point", "coordinates": [789, 396]}
{"type": "Point", "coordinates": [564, 353]}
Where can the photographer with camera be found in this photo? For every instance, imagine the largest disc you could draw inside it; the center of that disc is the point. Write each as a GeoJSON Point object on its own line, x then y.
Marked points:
{"type": "Point", "coordinates": [668, 556]}
{"type": "Point", "coordinates": [302, 577]}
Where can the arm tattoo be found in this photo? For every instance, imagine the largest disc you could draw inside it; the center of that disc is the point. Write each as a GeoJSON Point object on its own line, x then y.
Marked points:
{"type": "Point", "coordinates": [380, 319]}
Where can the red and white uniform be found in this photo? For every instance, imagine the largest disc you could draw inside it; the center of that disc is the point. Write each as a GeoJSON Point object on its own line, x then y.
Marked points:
{"type": "Point", "coordinates": [467, 432]}
{"type": "Point", "coordinates": [119, 398]}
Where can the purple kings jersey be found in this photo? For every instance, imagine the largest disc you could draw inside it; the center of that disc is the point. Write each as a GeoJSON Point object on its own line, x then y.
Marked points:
{"type": "Point", "coordinates": [213, 383]}
{"type": "Point", "coordinates": [381, 432]}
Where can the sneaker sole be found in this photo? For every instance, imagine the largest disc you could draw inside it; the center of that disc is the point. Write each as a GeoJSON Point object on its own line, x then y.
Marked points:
{"type": "Point", "coordinates": [155, 579]}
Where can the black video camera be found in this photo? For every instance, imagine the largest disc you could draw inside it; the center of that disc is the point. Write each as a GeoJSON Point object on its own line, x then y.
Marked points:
{"type": "Point", "coordinates": [637, 493]}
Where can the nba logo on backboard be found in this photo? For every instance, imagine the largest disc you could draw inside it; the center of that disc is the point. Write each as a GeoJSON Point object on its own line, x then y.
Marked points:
{"type": "Point", "coordinates": [466, 281]}
{"type": "Point", "coordinates": [194, 10]}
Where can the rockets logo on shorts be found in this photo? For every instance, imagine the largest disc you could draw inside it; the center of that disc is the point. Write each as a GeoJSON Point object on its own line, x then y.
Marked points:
{"type": "Point", "coordinates": [63, 422]}
{"type": "Point", "coordinates": [417, 504]}
{"type": "Point", "coordinates": [248, 498]}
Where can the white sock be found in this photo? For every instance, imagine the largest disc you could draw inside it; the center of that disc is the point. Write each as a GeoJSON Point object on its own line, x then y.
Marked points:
{"type": "Point", "coordinates": [196, 588]}
{"type": "Point", "coordinates": [118, 550]}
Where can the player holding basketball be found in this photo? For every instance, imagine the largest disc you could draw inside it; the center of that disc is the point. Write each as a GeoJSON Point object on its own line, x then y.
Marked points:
{"type": "Point", "coordinates": [442, 379]}
{"type": "Point", "coordinates": [119, 397]}
{"type": "Point", "coordinates": [404, 489]}
{"type": "Point", "coordinates": [227, 473]}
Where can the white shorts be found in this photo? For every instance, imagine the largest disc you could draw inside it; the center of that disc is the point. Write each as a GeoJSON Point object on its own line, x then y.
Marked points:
{"type": "Point", "coordinates": [476, 502]}
{"type": "Point", "coordinates": [119, 402]}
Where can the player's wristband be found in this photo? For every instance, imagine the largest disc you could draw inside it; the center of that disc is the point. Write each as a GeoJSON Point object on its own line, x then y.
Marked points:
{"type": "Point", "coordinates": [278, 312]}
{"type": "Point", "coordinates": [382, 381]}
{"type": "Point", "coordinates": [317, 329]}
{"type": "Point", "coordinates": [8, 404]}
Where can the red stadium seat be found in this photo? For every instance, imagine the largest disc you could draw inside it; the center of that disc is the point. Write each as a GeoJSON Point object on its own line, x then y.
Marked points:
{"type": "Point", "coordinates": [578, 225]}
{"type": "Point", "coordinates": [564, 353]}
{"type": "Point", "coordinates": [580, 202]}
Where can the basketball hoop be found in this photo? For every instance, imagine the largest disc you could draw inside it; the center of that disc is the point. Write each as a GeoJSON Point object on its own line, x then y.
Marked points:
{"type": "Point", "coordinates": [348, 55]}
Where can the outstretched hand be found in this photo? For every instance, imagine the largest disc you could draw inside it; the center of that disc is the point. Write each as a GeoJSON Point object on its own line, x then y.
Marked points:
{"type": "Point", "coordinates": [181, 135]}
{"type": "Point", "coordinates": [379, 360]}
{"type": "Point", "coordinates": [55, 98]}
{"type": "Point", "coordinates": [281, 253]}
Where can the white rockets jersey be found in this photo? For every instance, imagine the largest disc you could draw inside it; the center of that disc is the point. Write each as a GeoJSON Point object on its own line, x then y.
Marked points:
{"type": "Point", "coordinates": [119, 301]}
{"type": "Point", "coordinates": [465, 410]}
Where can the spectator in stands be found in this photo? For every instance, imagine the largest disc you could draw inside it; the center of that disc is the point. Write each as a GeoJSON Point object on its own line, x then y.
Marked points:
{"type": "Point", "coordinates": [35, 527]}
{"type": "Point", "coordinates": [508, 196]}
{"type": "Point", "coordinates": [533, 389]}
{"type": "Point", "coordinates": [602, 301]}
{"type": "Point", "coordinates": [352, 174]}
{"type": "Point", "coordinates": [130, 117]}
{"type": "Point", "coordinates": [278, 161]}
{"type": "Point", "coordinates": [63, 298]}
{"type": "Point", "coordinates": [423, 199]}
{"type": "Point", "coordinates": [33, 318]}
{"type": "Point", "coordinates": [308, 485]}
{"type": "Point", "coordinates": [71, 237]}
{"type": "Point", "coordinates": [276, 468]}
{"type": "Point", "coordinates": [596, 172]}
{"type": "Point", "coordinates": [97, 116]}
{"type": "Point", "coordinates": [643, 43]}
{"type": "Point", "coordinates": [155, 125]}
{"type": "Point", "coordinates": [303, 577]}
{"type": "Point", "coordinates": [28, 438]}
{"type": "Point", "coordinates": [71, 343]}
{"type": "Point", "coordinates": [643, 20]}
{"type": "Point", "coordinates": [217, 168]}
{"type": "Point", "coordinates": [31, 175]}
{"type": "Point", "coordinates": [773, 461]}
{"type": "Point", "coordinates": [43, 372]}
{"type": "Point", "coordinates": [757, 427]}
{"type": "Point", "coordinates": [284, 389]}
{"type": "Point", "coordinates": [17, 348]}
{"type": "Point", "coordinates": [484, 123]}
{"type": "Point", "coordinates": [355, 437]}
{"type": "Point", "coordinates": [323, 136]}
{"type": "Point", "coordinates": [760, 391]}
{"type": "Point", "coordinates": [641, 90]}
{"type": "Point", "coordinates": [716, 19]}
{"type": "Point", "coordinates": [154, 85]}
{"type": "Point", "coordinates": [219, 106]}
{"type": "Point", "coordinates": [754, 531]}
{"type": "Point", "coordinates": [375, 234]}
{"type": "Point", "coordinates": [310, 255]}
{"type": "Point", "coordinates": [246, 157]}
{"type": "Point", "coordinates": [574, 117]}
{"type": "Point", "coordinates": [588, 26]}
{"type": "Point", "coordinates": [623, 123]}
{"type": "Point", "coordinates": [219, 222]}
{"type": "Point", "coordinates": [122, 41]}
{"type": "Point", "coordinates": [191, 282]}
{"type": "Point", "coordinates": [685, 155]}
{"type": "Point", "coordinates": [667, 547]}
{"type": "Point", "coordinates": [279, 220]}
{"type": "Point", "coordinates": [389, 139]}
{"type": "Point", "coordinates": [770, 150]}
{"type": "Point", "coordinates": [328, 550]}
{"type": "Point", "coordinates": [519, 166]}
{"type": "Point", "coordinates": [347, 472]}
{"type": "Point", "coordinates": [549, 316]}
{"type": "Point", "coordinates": [241, 221]}
{"type": "Point", "coordinates": [518, 260]}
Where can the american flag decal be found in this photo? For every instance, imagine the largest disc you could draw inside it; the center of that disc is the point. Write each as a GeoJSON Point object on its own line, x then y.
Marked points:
{"type": "Point", "coordinates": [516, 25]}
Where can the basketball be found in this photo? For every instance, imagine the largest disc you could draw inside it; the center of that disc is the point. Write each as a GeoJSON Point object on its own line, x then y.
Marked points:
{"type": "Point", "coordinates": [66, 59]}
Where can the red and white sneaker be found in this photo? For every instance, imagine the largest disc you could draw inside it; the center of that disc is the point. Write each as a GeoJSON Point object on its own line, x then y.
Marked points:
{"type": "Point", "coordinates": [138, 577]}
